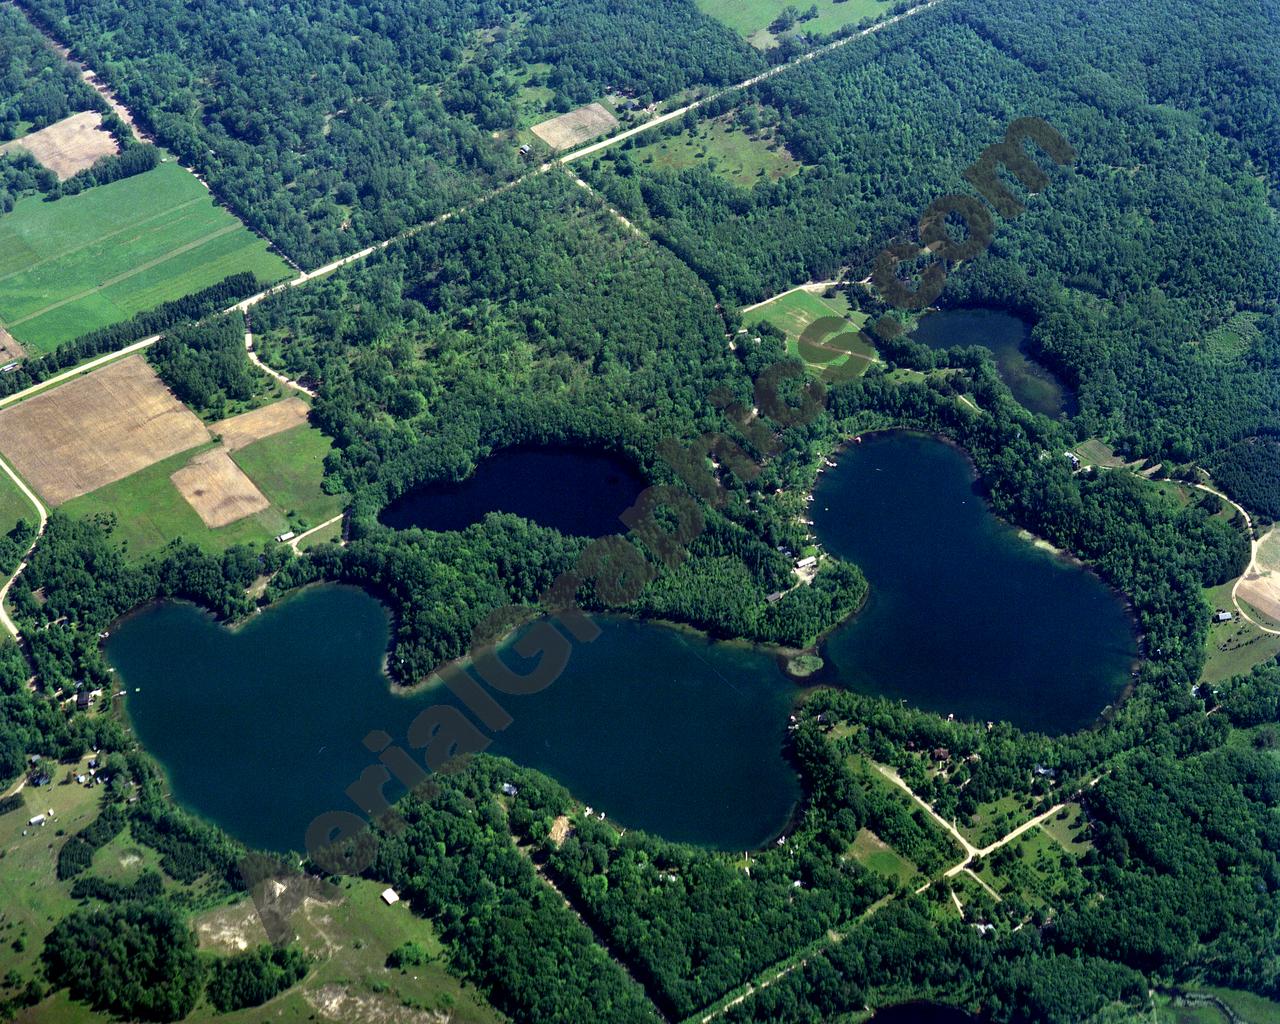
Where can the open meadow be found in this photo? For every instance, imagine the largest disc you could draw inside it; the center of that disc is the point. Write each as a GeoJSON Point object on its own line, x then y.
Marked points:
{"type": "Point", "coordinates": [745, 158]}
{"type": "Point", "coordinates": [94, 259]}
{"type": "Point", "coordinates": [751, 18]}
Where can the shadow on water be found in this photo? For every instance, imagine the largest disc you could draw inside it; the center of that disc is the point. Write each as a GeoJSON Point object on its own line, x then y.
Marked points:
{"type": "Point", "coordinates": [574, 490]}
{"type": "Point", "coordinates": [1007, 336]}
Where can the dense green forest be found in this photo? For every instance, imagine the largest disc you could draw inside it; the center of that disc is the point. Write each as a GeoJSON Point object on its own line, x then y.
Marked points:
{"type": "Point", "coordinates": [1157, 234]}
{"type": "Point", "coordinates": [329, 125]}
{"type": "Point", "coordinates": [1249, 471]}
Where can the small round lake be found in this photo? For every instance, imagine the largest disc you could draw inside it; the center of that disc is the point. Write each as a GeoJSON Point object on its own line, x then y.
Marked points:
{"type": "Point", "coordinates": [964, 615]}
{"type": "Point", "coordinates": [576, 491]}
{"type": "Point", "coordinates": [260, 729]}
{"type": "Point", "coordinates": [1006, 335]}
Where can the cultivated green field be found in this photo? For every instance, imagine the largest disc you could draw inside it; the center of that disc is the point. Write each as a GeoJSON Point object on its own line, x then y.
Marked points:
{"type": "Point", "coordinates": [97, 258]}
{"type": "Point", "coordinates": [752, 18]}
{"type": "Point", "coordinates": [289, 469]}
{"type": "Point", "coordinates": [872, 852]}
{"type": "Point", "coordinates": [727, 149]}
{"type": "Point", "coordinates": [793, 312]}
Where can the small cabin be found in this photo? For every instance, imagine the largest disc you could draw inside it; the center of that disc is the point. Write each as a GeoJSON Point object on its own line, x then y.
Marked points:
{"type": "Point", "coordinates": [286, 536]}
{"type": "Point", "coordinates": [1221, 616]}
{"type": "Point", "coordinates": [82, 700]}
{"type": "Point", "coordinates": [1072, 458]}
{"type": "Point", "coordinates": [39, 819]}
{"type": "Point", "coordinates": [526, 149]}
{"type": "Point", "coordinates": [9, 367]}
{"type": "Point", "coordinates": [509, 790]}
{"type": "Point", "coordinates": [390, 896]}
{"type": "Point", "coordinates": [807, 563]}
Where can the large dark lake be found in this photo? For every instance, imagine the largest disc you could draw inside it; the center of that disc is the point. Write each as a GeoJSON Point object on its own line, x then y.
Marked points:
{"type": "Point", "coordinates": [1006, 336]}
{"type": "Point", "coordinates": [260, 729]}
{"type": "Point", "coordinates": [576, 491]}
{"type": "Point", "coordinates": [964, 615]}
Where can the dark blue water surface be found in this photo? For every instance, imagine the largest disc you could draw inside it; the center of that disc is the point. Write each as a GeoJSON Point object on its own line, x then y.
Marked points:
{"type": "Point", "coordinates": [964, 616]}
{"type": "Point", "coordinates": [576, 491]}
{"type": "Point", "coordinates": [1006, 336]}
{"type": "Point", "coordinates": [260, 729]}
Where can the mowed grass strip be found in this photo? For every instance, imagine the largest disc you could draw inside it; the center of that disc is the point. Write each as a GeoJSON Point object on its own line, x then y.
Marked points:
{"type": "Point", "coordinates": [94, 259]}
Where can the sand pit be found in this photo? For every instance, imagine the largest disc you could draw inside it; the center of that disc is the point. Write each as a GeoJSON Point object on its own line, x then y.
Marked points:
{"type": "Point", "coordinates": [239, 431]}
{"type": "Point", "coordinates": [96, 430]}
{"type": "Point", "coordinates": [218, 489]}
{"type": "Point", "coordinates": [71, 145]}
{"type": "Point", "coordinates": [576, 127]}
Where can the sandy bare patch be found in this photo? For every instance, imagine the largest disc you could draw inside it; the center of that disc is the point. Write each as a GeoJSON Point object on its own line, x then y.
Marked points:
{"type": "Point", "coordinates": [576, 127]}
{"type": "Point", "coordinates": [231, 929]}
{"type": "Point", "coordinates": [559, 830]}
{"type": "Point", "coordinates": [218, 489]}
{"type": "Point", "coordinates": [69, 146]}
{"type": "Point", "coordinates": [1261, 588]}
{"type": "Point", "coordinates": [334, 1002]}
{"type": "Point", "coordinates": [97, 429]}
{"type": "Point", "coordinates": [239, 431]}
{"type": "Point", "coordinates": [9, 348]}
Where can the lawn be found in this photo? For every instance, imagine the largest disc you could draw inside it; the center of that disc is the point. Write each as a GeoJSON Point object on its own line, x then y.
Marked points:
{"type": "Point", "coordinates": [150, 512]}
{"type": "Point", "coordinates": [97, 258]}
{"type": "Point", "coordinates": [1068, 830]}
{"type": "Point", "coordinates": [1233, 648]}
{"type": "Point", "coordinates": [289, 469]}
{"type": "Point", "coordinates": [795, 311]}
{"type": "Point", "coordinates": [752, 18]}
{"type": "Point", "coordinates": [743, 157]}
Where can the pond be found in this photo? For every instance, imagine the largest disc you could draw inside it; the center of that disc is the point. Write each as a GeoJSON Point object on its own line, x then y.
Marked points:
{"type": "Point", "coordinates": [260, 729]}
{"type": "Point", "coordinates": [576, 491]}
{"type": "Point", "coordinates": [1006, 335]}
{"type": "Point", "coordinates": [964, 615]}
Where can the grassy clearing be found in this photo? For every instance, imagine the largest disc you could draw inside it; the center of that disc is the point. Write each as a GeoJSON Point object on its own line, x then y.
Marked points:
{"type": "Point", "coordinates": [13, 505]}
{"type": "Point", "coordinates": [150, 512]}
{"type": "Point", "coordinates": [1095, 452]}
{"type": "Point", "coordinates": [289, 469]}
{"type": "Point", "coordinates": [1233, 338]}
{"type": "Point", "coordinates": [751, 18]}
{"type": "Point", "coordinates": [1253, 1008]}
{"type": "Point", "coordinates": [795, 311]}
{"type": "Point", "coordinates": [97, 258]}
{"type": "Point", "coordinates": [352, 940]}
{"type": "Point", "coordinates": [328, 535]}
{"type": "Point", "coordinates": [993, 820]}
{"type": "Point", "coordinates": [743, 157]}
{"type": "Point", "coordinates": [1233, 648]}
{"type": "Point", "coordinates": [1035, 867]}
{"type": "Point", "coordinates": [872, 852]}
{"type": "Point", "coordinates": [1067, 829]}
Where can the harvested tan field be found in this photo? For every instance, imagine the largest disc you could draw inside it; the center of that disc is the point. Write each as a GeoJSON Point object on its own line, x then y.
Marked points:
{"type": "Point", "coordinates": [576, 127]}
{"type": "Point", "coordinates": [69, 146]}
{"type": "Point", "coordinates": [238, 431]}
{"type": "Point", "coordinates": [218, 489]}
{"type": "Point", "coordinates": [96, 430]}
